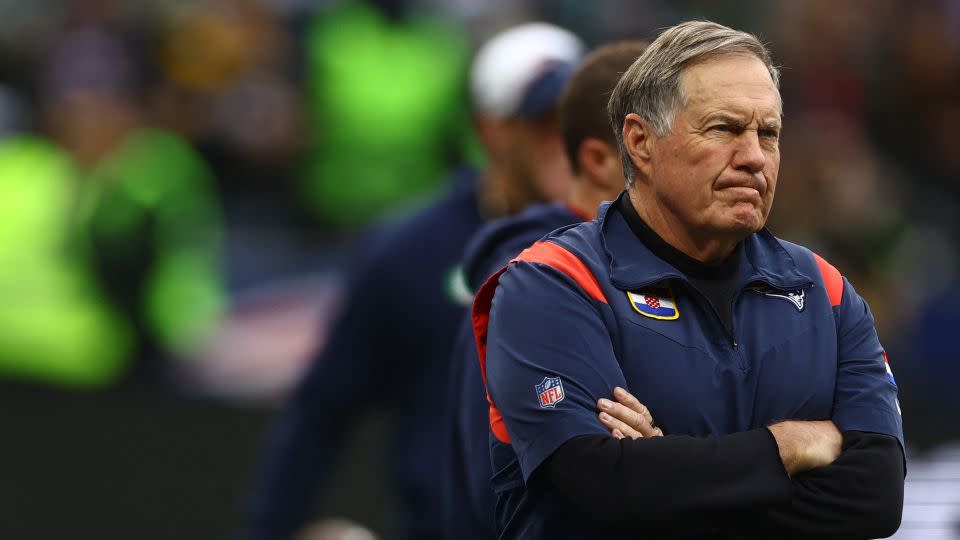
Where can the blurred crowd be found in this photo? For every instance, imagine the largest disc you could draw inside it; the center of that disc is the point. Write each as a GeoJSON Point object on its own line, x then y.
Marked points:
{"type": "Point", "coordinates": [181, 180]}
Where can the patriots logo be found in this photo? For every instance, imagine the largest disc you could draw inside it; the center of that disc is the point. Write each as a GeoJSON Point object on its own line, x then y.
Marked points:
{"type": "Point", "coordinates": [550, 392]}
{"type": "Point", "coordinates": [797, 298]}
{"type": "Point", "coordinates": [655, 303]}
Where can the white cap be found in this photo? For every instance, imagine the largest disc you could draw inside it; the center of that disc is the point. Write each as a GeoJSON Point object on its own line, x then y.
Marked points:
{"type": "Point", "coordinates": [521, 71]}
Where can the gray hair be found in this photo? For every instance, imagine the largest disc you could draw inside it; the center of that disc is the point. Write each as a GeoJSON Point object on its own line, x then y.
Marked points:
{"type": "Point", "coordinates": [651, 86]}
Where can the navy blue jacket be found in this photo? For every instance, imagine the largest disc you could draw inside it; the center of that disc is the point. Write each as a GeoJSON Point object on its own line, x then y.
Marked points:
{"type": "Point", "coordinates": [468, 496]}
{"type": "Point", "coordinates": [389, 348]}
{"type": "Point", "coordinates": [590, 308]}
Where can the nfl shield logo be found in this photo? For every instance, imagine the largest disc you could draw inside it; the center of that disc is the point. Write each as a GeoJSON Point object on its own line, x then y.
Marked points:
{"type": "Point", "coordinates": [550, 392]}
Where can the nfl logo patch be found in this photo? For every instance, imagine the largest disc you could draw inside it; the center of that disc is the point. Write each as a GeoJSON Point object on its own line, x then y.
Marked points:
{"type": "Point", "coordinates": [655, 303]}
{"type": "Point", "coordinates": [550, 392]}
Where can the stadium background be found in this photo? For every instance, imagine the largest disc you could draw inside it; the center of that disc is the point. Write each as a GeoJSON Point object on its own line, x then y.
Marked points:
{"type": "Point", "coordinates": [182, 182]}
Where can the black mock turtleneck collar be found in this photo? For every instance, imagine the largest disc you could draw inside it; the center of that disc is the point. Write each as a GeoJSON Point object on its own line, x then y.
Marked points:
{"type": "Point", "coordinates": [676, 258]}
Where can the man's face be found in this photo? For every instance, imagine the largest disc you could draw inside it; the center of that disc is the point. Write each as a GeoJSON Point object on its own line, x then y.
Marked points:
{"type": "Point", "coordinates": [716, 170]}
{"type": "Point", "coordinates": [538, 161]}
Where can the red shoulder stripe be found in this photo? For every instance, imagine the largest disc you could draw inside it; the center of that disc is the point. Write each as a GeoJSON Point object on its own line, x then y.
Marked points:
{"type": "Point", "coordinates": [832, 280]}
{"type": "Point", "coordinates": [544, 253]}
{"type": "Point", "coordinates": [566, 262]}
{"type": "Point", "coordinates": [481, 317]}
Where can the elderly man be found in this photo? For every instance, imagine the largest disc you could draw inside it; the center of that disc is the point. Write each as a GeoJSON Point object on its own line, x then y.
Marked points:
{"type": "Point", "coordinates": [757, 357]}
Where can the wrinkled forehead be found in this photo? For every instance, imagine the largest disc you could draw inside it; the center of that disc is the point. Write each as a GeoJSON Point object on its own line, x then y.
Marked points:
{"type": "Point", "coordinates": [739, 83]}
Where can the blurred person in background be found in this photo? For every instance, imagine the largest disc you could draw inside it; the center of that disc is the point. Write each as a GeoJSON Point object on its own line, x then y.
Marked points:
{"type": "Point", "coordinates": [137, 213]}
{"type": "Point", "coordinates": [227, 81]}
{"type": "Point", "coordinates": [393, 69]}
{"type": "Point", "coordinates": [147, 206]}
{"type": "Point", "coordinates": [154, 224]}
{"type": "Point", "coordinates": [390, 347]}
{"type": "Point", "coordinates": [56, 328]}
{"type": "Point", "coordinates": [468, 510]}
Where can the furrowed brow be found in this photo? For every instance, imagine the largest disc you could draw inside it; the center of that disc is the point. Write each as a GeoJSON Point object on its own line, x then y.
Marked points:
{"type": "Point", "coordinates": [771, 123]}
{"type": "Point", "coordinates": [725, 118]}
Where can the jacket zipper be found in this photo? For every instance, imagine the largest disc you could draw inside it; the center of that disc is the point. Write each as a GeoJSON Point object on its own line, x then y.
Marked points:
{"type": "Point", "coordinates": [731, 335]}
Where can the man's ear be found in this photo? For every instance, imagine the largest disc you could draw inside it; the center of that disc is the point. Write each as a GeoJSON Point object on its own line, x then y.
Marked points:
{"type": "Point", "coordinates": [638, 138]}
{"type": "Point", "coordinates": [600, 165]}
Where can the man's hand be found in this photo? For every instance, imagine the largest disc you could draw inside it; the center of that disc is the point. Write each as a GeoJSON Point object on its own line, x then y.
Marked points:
{"type": "Point", "coordinates": [806, 444]}
{"type": "Point", "coordinates": [627, 417]}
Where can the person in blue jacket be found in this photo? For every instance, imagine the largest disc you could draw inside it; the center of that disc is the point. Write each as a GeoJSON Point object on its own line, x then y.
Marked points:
{"type": "Point", "coordinates": [390, 346]}
{"type": "Point", "coordinates": [592, 149]}
{"type": "Point", "coordinates": [757, 359]}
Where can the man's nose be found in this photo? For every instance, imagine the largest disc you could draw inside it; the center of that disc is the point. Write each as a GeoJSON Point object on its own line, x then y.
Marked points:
{"type": "Point", "coordinates": [749, 156]}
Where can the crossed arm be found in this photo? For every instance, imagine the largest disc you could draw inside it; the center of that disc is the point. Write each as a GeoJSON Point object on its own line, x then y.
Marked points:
{"type": "Point", "coordinates": [846, 485]}
{"type": "Point", "coordinates": [799, 478]}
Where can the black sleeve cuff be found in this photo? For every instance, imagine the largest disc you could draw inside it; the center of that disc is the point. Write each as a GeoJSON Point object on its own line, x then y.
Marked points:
{"type": "Point", "coordinates": [686, 480]}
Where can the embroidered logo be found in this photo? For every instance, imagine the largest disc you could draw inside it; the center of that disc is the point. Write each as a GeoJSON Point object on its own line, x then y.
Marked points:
{"type": "Point", "coordinates": [550, 392]}
{"type": "Point", "coordinates": [797, 298]}
{"type": "Point", "coordinates": [655, 303]}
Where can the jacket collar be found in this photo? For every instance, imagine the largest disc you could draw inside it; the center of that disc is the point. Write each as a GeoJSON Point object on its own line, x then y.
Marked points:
{"type": "Point", "coordinates": [633, 266]}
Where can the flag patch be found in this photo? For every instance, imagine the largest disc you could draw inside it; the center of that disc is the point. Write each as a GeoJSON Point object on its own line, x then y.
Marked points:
{"type": "Point", "coordinates": [655, 303]}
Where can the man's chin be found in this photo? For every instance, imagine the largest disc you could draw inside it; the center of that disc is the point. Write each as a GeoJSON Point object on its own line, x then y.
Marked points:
{"type": "Point", "coordinates": [742, 225]}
